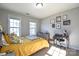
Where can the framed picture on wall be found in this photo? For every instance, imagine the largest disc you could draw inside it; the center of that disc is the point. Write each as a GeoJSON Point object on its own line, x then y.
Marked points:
{"type": "Point", "coordinates": [67, 22]}
{"type": "Point", "coordinates": [53, 25]}
{"type": "Point", "coordinates": [65, 17]}
{"type": "Point", "coordinates": [52, 21]}
{"type": "Point", "coordinates": [58, 19]}
{"type": "Point", "coordinates": [58, 26]}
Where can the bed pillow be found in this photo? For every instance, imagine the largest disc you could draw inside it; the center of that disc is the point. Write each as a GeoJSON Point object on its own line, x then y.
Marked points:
{"type": "Point", "coordinates": [0, 38]}
{"type": "Point", "coordinates": [7, 38]}
{"type": "Point", "coordinates": [4, 41]}
{"type": "Point", "coordinates": [15, 39]}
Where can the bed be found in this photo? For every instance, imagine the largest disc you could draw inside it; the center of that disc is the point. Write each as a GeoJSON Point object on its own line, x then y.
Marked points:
{"type": "Point", "coordinates": [27, 48]}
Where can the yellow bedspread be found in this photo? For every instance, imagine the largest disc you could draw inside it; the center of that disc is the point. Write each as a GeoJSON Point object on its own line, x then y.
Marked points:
{"type": "Point", "coordinates": [26, 48]}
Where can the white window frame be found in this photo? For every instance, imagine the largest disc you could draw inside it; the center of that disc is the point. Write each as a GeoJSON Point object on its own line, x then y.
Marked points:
{"type": "Point", "coordinates": [16, 18]}
{"type": "Point", "coordinates": [35, 28]}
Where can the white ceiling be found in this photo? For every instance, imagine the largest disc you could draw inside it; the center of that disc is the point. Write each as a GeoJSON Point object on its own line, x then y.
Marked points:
{"type": "Point", "coordinates": [47, 9]}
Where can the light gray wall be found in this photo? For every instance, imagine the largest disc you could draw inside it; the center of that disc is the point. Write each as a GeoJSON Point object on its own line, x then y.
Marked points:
{"type": "Point", "coordinates": [4, 15]}
{"type": "Point", "coordinates": [73, 29]}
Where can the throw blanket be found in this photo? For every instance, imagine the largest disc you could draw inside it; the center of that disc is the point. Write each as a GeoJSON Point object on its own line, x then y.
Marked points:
{"type": "Point", "coordinates": [26, 48]}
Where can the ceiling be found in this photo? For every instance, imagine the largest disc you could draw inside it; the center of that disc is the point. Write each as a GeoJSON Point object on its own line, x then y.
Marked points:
{"type": "Point", "coordinates": [47, 9]}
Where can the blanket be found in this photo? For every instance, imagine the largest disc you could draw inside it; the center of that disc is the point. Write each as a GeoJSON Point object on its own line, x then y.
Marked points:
{"type": "Point", "coordinates": [26, 48]}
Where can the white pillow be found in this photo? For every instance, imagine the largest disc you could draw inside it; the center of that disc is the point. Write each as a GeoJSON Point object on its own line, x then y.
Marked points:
{"type": "Point", "coordinates": [4, 41]}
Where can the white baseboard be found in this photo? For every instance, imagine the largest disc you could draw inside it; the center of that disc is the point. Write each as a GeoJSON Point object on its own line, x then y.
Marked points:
{"type": "Point", "coordinates": [73, 47]}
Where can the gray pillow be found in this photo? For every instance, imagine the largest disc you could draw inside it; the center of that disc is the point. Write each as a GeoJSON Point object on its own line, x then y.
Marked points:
{"type": "Point", "coordinates": [1, 39]}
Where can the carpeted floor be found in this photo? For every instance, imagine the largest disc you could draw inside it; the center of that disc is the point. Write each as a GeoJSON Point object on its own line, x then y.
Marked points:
{"type": "Point", "coordinates": [57, 51]}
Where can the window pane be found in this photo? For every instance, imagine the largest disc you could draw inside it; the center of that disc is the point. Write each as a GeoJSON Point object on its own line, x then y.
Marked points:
{"type": "Point", "coordinates": [17, 31]}
{"type": "Point", "coordinates": [14, 26]}
{"type": "Point", "coordinates": [16, 23]}
{"type": "Point", "coordinates": [11, 24]}
{"type": "Point", "coordinates": [32, 28]}
{"type": "Point", "coordinates": [32, 32]}
{"type": "Point", "coordinates": [33, 24]}
{"type": "Point", "coordinates": [11, 30]}
{"type": "Point", "coordinates": [14, 30]}
{"type": "Point", "coordinates": [11, 20]}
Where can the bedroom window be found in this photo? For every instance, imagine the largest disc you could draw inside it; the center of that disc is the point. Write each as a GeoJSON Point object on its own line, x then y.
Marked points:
{"type": "Point", "coordinates": [14, 26]}
{"type": "Point", "coordinates": [32, 28]}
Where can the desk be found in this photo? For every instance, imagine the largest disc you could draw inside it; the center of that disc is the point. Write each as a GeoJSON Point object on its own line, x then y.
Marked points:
{"type": "Point", "coordinates": [60, 38]}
